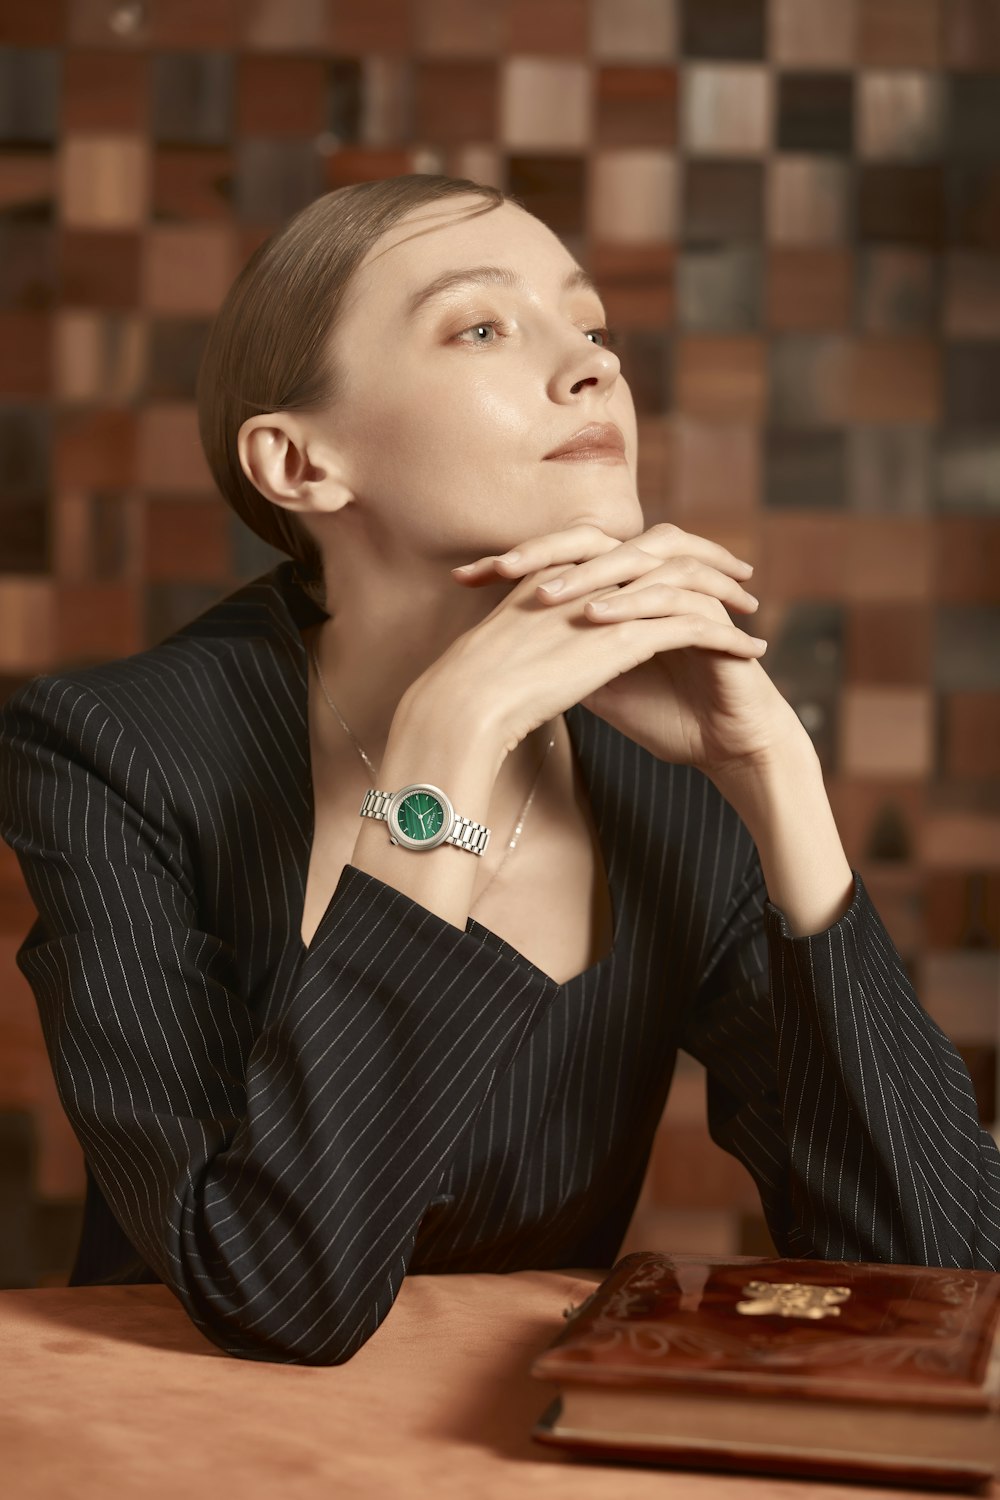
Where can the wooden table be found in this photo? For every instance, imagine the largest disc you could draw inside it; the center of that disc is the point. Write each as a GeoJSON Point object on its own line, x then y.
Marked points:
{"type": "Point", "coordinates": [112, 1392]}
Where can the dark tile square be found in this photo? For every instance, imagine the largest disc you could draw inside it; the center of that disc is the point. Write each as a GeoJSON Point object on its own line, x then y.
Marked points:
{"type": "Point", "coordinates": [30, 184]}
{"type": "Point", "coordinates": [898, 291]}
{"type": "Point", "coordinates": [28, 274]}
{"type": "Point", "coordinates": [29, 95]}
{"type": "Point", "coordinates": [973, 202]}
{"type": "Point", "coordinates": [816, 112]}
{"type": "Point", "coordinates": [902, 204]}
{"type": "Point", "coordinates": [723, 28]}
{"type": "Point", "coordinates": [251, 555]}
{"type": "Point", "coordinates": [646, 365]}
{"type": "Point", "coordinates": [192, 98]}
{"type": "Point", "coordinates": [24, 534]}
{"type": "Point", "coordinates": [636, 106]}
{"type": "Point", "coordinates": [805, 469]}
{"type": "Point", "coordinates": [169, 606]}
{"type": "Point", "coordinates": [344, 99]}
{"type": "Point", "coordinates": [100, 269]}
{"type": "Point", "coordinates": [553, 187]}
{"type": "Point", "coordinates": [966, 659]}
{"type": "Point", "coordinates": [719, 288]}
{"type": "Point", "coordinates": [192, 183]}
{"type": "Point", "coordinates": [175, 350]}
{"type": "Point", "coordinates": [967, 472]}
{"type": "Point", "coordinates": [455, 101]}
{"type": "Point", "coordinates": [274, 179]}
{"type": "Point", "coordinates": [972, 384]}
{"type": "Point", "coordinates": [971, 34]}
{"type": "Point", "coordinates": [974, 116]}
{"type": "Point", "coordinates": [889, 470]}
{"type": "Point", "coordinates": [810, 376]}
{"type": "Point", "coordinates": [25, 451]}
{"type": "Point", "coordinates": [722, 200]}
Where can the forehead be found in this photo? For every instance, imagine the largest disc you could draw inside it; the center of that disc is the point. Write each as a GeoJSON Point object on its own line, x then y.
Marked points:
{"type": "Point", "coordinates": [447, 235]}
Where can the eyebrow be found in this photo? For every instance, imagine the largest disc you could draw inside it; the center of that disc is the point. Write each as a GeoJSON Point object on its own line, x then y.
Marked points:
{"type": "Point", "coordinates": [489, 276]}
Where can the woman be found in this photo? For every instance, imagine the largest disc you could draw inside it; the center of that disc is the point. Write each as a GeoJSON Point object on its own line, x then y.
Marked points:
{"type": "Point", "coordinates": [369, 929]}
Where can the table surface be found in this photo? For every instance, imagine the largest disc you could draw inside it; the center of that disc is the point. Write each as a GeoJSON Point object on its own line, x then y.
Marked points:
{"type": "Point", "coordinates": [113, 1391]}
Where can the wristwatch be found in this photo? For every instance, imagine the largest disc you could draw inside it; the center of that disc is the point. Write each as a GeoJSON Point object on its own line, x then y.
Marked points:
{"type": "Point", "coordinates": [420, 816]}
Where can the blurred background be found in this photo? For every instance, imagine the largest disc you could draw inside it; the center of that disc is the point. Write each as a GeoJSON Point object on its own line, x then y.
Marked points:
{"type": "Point", "coordinates": [793, 212]}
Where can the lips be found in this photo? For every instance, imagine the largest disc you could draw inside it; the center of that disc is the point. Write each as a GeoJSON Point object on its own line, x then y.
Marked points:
{"type": "Point", "coordinates": [596, 441]}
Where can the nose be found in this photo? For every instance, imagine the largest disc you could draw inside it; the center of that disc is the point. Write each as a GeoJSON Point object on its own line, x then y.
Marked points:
{"type": "Point", "coordinates": [583, 363]}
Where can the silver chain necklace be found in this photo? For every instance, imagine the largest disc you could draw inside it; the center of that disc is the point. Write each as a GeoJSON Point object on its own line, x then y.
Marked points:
{"type": "Point", "coordinates": [372, 774]}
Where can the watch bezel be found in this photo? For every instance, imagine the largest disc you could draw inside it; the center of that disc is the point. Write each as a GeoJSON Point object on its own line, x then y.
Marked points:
{"type": "Point", "coordinates": [398, 836]}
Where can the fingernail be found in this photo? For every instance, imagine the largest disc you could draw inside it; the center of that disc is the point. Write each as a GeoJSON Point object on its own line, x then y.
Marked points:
{"type": "Point", "coordinates": [553, 587]}
{"type": "Point", "coordinates": [465, 568]}
{"type": "Point", "coordinates": [759, 641]}
{"type": "Point", "coordinates": [748, 567]}
{"type": "Point", "coordinates": [753, 599]}
{"type": "Point", "coordinates": [510, 557]}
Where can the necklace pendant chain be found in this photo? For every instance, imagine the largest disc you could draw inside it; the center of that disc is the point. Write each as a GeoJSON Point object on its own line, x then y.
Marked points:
{"type": "Point", "coordinates": [373, 775]}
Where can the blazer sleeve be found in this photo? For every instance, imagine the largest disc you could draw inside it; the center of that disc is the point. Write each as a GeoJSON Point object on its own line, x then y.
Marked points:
{"type": "Point", "coordinates": [274, 1178]}
{"type": "Point", "coordinates": [849, 1106]}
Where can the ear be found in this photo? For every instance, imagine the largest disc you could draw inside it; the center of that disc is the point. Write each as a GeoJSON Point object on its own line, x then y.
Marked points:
{"type": "Point", "coordinates": [292, 465]}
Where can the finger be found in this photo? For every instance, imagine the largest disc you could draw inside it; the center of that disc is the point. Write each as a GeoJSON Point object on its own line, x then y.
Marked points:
{"type": "Point", "coordinates": [660, 601]}
{"type": "Point", "coordinates": [572, 545]}
{"type": "Point", "coordinates": [684, 573]}
{"type": "Point", "coordinates": [675, 632]}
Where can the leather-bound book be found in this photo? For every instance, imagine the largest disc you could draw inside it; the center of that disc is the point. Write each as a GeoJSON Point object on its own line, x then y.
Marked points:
{"type": "Point", "coordinates": [830, 1369]}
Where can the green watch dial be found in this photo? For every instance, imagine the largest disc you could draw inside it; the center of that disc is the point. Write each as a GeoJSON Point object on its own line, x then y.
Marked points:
{"type": "Point", "coordinates": [420, 815]}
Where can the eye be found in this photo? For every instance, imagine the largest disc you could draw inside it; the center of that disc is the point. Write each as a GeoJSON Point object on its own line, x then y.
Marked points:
{"type": "Point", "coordinates": [482, 326]}
{"type": "Point", "coordinates": [608, 337]}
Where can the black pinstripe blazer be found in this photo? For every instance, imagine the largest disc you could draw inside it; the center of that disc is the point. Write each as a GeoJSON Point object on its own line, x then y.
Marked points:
{"type": "Point", "coordinates": [279, 1132]}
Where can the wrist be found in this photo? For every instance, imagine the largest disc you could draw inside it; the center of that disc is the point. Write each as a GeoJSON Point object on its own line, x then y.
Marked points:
{"type": "Point", "coordinates": [761, 784]}
{"type": "Point", "coordinates": [436, 721]}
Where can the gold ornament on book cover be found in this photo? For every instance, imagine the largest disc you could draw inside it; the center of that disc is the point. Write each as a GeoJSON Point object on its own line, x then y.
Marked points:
{"type": "Point", "coordinates": [792, 1299]}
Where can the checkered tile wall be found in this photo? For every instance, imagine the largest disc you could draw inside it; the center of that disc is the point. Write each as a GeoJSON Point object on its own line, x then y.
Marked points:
{"type": "Point", "coordinates": [793, 210]}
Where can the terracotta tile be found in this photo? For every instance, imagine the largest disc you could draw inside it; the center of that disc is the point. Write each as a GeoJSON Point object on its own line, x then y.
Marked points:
{"type": "Point", "coordinates": [813, 33]}
{"type": "Point", "coordinates": [972, 295]}
{"type": "Point", "coordinates": [457, 28]}
{"type": "Point", "coordinates": [886, 732]}
{"type": "Point", "coordinates": [192, 182]}
{"type": "Point", "coordinates": [98, 357]}
{"type": "Point", "coordinates": [558, 26]}
{"type": "Point", "coordinates": [810, 288]}
{"type": "Point", "coordinates": [192, 23]}
{"type": "Point", "coordinates": [636, 106]}
{"type": "Point", "coordinates": [274, 179]}
{"type": "Point", "coordinates": [900, 33]}
{"type": "Point", "coordinates": [722, 201]}
{"type": "Point", "coordinates": [717, 469]}
{"type": "Point", "coordinates": [27, 625]}
{"type": "Point", "coordinates": [633, 30]}
{"type": "Point", "coordinates": [725, 109]}
{"type": "Point", "coordinates": [889, 470]}
{"type": "Point", "coordinates": [972, 734]}
{"type": "Point", "coordinates": [903, 204]}
{"type": "Point", "coordinates": [966, 560]}
{"type": "Point", "coordinates": [40, 25]}
{"type": "Point", "coordinates": [28, 276]}
{"type": "Point", "coordinates": [689, 1171]}
{"type": "Point", "coordinates": [28, 185]}
{"type": "Point", "coordinates": [972, 34]}
{"type": "Point", "coordinates": [802, 556]}
{"type": "Point", "coordinates": [479, 163]}
{"type": "Point", "coordinates": [895, 890]}
{"type": "Point", "coordinates": [95, 448]}
{"type": "Point", "coordinates": [888, 643]}
{"type": "Point", "coordinates": [720, 377]}
{"type": "Point", "coordinates": [815, 113]}
{"type": "Point", "coordinates": [455, 101]}
{"type": "Point", "coordinates": [29, 95]}
{"type": "Point", "coordinates": [186, 540]}
{"type": "Point", "coordinates": [97, 621]}
{"type": "Point", "coordinates": [544, 104]}
{"type": "Point", "coordinates": [105, 91]}
{"type": "Point", "coordinates": [286, 25]}
{"type": "Point", "coordinates": [962, 837]}
{"type": "Point", "coordinates": [965, 648]}
{"type": "Point", "coordinates": [353, 164]}
{"type": "Point", "coordinates": [890, 558]}
{"type": "Point", "coordinates": [808, 200]}
{"type": "Point", "coordinates": [723, 28]}
{"type": "Point", "coordinates": [689, 1231]}
{"type": "Point", "coordinates": [376, 26]}
{"type": "Point", "coordinates": [100, 269]}
{"type": "Point", "coordinates": [719, 288]}
{"type": "Point", "coordinates": [879, 820]}
{"type": "Point", "coordinates": [898, 290]}
{"type": "Point", "coordinates": [901, 116]}
{"type": "Point", "coordinates": [633, 196]}
{"type": "Point", "coordinates": [895, 380]}
{"type": "Point", "coordinates": [186, 269]}
{"type": "Point", "coordinates": [25, 353]}
{"type": "Point", "coordinates": [278, 96]}
{"type": "Point", "coordinates": [961, 909]}
{"type": "Point", "coordinates": [169, 457]}
{"type": "Point", "coordinates": [104, 181]}
{"type": "Point", "coordinates": [90, 23]}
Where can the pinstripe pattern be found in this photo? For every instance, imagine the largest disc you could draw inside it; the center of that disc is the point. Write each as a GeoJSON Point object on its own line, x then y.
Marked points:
{"type": "Point", "coordinates": [279, 1133]}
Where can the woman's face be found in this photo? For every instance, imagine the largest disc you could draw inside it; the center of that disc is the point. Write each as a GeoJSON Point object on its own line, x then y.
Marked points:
{"type": "Point", "coordinates": [448, 408]}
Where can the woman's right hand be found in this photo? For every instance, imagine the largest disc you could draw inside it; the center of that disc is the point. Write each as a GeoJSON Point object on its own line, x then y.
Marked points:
{"type": "Point", "coordinates": [528, 660]}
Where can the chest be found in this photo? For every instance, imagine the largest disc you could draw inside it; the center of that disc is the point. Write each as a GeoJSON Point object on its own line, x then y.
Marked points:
{"type": "Point", "coordinates": [549, 898]}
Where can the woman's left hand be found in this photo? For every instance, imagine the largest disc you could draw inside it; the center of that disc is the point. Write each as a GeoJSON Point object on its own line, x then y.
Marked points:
{"type": "Point", "coordinates": [727, 705]}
